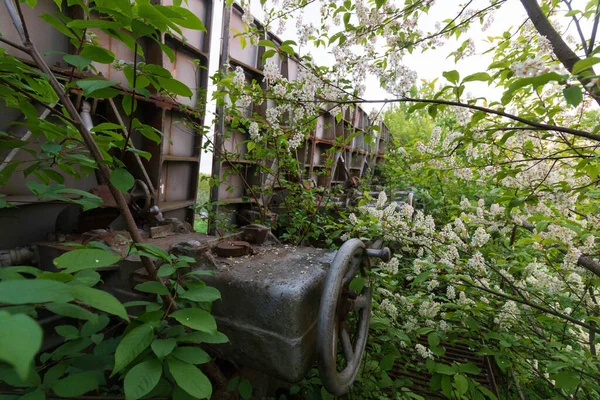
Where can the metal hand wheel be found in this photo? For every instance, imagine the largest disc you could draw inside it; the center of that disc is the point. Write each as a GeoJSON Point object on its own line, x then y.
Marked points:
{"type": "Point", "coordinates": [339, 306]}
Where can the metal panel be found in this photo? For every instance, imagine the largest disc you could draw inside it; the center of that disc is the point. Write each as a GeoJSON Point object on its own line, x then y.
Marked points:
{"type": "Point", "coordinates": [50, 43]}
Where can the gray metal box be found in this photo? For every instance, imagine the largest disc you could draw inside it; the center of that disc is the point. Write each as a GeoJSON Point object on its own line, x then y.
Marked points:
{"type": "Point", "coordinates": [269, 308]}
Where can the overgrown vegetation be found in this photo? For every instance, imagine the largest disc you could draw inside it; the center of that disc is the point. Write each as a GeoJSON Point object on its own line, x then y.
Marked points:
{"type": "Point", "coordinates": [499, 254]}
{"type": "Point", "coordinates": [136, 349]}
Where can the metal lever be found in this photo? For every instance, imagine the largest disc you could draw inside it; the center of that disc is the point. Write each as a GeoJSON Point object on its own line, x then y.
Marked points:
{"type": "Point", "coordinates": [384, 254]}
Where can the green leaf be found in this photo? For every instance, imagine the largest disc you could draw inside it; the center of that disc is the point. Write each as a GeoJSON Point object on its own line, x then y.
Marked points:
{"type": "Point", "coordinates": [535, 81]}
{"type": "Point", "coordinates": [72, 311]}
{"type": "Point", "coordinates": [203, 294]}
{"type": "Point", "coordinates": [452, 76]}
{"type": "Point", "coordinates": [35, 395]}
{"type": "Point", "coordinates": [132, 345]}
{"type": "Point", "coordinates": [267, 43]}
{"type": "Point", "coordinates": [357, 284]}
{"type": "Point", "coordinates": [387, 362]}
{"type": "Point", "coordinates": [78, 62]}
{"type": "Point", "coordinates": [76, 384]}
{"type": "Point", "coordinates": [245, 389]}
{"type": "Point", "coordinates": [165, 270]}
{"type": "Point", "coordinates": [174, 86]}
{"type": "Point", "coordinates": [69, 332]}
{"type": "Point", "coordinates": [163, 347]}
{"type": "Point", "coordinates": [196, 318]}
{"type": "Point", "coordinates": [190, 379]}
{"type": "Point", "coordinates": [31, 291]}
{"type": "Point", "coordinates": [152, 287]}
{"type": "Point", "coordinates": [142, 378]}
{"type": "Point", "coordinates": [80, 259]}
{"type": "Point", "coordinates": [433, 339]}
{"type": "Point", "coordinates": [566, 380]}
{"type": "Point", "coordinates": [573, 95]}
{"type": "Point", "coordinates": [90, 86]}
{"type": "Point", "coordinates": [122, 179]}
{"type": "Point", "coordinates": [478, 76]}
{"type": "Point", "coordinates": [20, 340]}
{"type": "Point", "coordinates": [182, 17]}
{"type": "Point", "coordinates": [191, 355]}
{"type": "Point", "coordinates": [469, 368]}
{"type": "Point", "coordinates": [98, 54]}
{"type": "Point", "coordinates": [444, 369]}
{"type": "Point", "coordinates": [204, 337]}
{"type": "Point", "coordinates": [100, 300]}
{"type": "Point", "coordinates": [94, 23]}
{"type": "Point", "coordinates": [461, 383]}
{"type": "Point", "coordinates": [584, 64]}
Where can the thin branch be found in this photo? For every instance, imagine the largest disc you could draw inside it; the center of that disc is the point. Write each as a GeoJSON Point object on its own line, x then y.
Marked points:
{"type": "Point", "coordinates": [130, 128]}
{"type": "Point", "coordinates": [578, 26]}
{"type": "Point", "coordinates": [542, 126]}
{"type": "Point", "coordinates": [594, 29]}
{"type": "Point", "coordinates": [13, 44]}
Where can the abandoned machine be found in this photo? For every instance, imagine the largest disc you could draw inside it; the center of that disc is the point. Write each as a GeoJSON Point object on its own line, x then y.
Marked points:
{"type": "Point", "coordinates": [284, 308]}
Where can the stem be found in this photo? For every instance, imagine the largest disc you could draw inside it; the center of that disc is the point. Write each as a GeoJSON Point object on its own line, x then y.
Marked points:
{"type": "Point", "coordinates": [594, 30]}
{"type": "Point", "coordinates": [123, 152]}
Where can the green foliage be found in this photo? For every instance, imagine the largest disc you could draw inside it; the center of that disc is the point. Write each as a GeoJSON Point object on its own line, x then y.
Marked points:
{"type": "Point", "coordinates": [99, 345]}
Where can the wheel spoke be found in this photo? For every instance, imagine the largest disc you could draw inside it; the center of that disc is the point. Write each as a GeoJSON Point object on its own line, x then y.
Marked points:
{"type": "Point", "coordinates": [362, 301]}
{"type": "Point", "coordinates": [346, 343]}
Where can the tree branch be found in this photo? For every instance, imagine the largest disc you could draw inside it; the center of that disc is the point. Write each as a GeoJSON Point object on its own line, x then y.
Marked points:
{"type": "Point", "coordinates": [539, 125]}
{"type": "Point", "coordinates": [561, 49]}
{"type": "Point", "coordinates": [578, 26]}
{"type": "Point", "coordinates": [594, 30]}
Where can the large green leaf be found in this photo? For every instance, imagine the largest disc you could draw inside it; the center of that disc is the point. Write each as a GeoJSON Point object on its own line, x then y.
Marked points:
{"type": "Point", "coordinates": [80, 259]}
{"type": "Point", "coordinates": [78, 62]}
{"type": "Point", "coordinates": [90, 86]}
{"type": "Point", "coordinates": [163, 347]}
{"type": "Point", "coordinates": [98, 54]}
{"type": "Point", "coordinates": [30, 291]}
{"type": "Point", "coordinates": [205, 337]}
{"type": "Point", "coordinates": [142, 378]}
{"type": "Point", "coordinates": [573, 95]}
{"type": "Point", "coordinates": [132, 345]}
{"type": "Point", "coordinates": [585, 64]}
{"type": "Point", "coordinates": [452, 76]}
{"type": "Point", "coordinates": [204, 294]}
{"type": "Point", "coordinates": [72, 311]}
{"type": "Point", "coordinates": [20, 340]}
{"type": "Point", "coordinates": [196, 318]}
{"type": "Point", "coordinates": [76, 384]}
{"type": "Point", "coordinates": [191, 355]}
{"type": "Point", "coordinates": [461, 383]}
{"type": "Point", "coordinates": [566, 380]}
{"type": "Point", "coordinates": [175, 86]}
{"type": "Point", "coordinates": [152, 287]}
{"type": "Point", "coordinates": [100, 300]}
{"type": "Point", "coordinates": [190, 379]}
{"type": "Point", "coordinates": [122, 179]}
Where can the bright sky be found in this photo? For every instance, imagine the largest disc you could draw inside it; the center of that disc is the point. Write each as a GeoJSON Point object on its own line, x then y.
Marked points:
{"type": "Point", "coordinates": [429, 65]}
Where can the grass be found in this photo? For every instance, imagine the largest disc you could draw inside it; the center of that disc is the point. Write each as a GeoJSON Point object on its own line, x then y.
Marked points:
{"type": "Point", "coordinates": [203, 197]}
